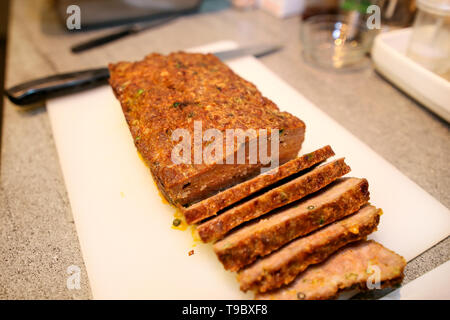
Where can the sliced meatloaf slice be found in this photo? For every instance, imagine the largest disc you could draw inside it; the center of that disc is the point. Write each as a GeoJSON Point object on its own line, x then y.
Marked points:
{"type": "Point", "coordinates": [164, 96]}
{"type": "Point", "coordinates": [356, 265]}
{"type": "Point", "coordinates": [336, 201]}
{"type": "Point", "coordinates": [282, 266]}
{"type": "Point", "coordinates": [210, 206]}
{"type": "Point", "coordinates": [289, 192]}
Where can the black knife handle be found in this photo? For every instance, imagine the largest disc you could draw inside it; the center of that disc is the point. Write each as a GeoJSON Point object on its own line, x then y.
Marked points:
{"type": "Point", "coordinates": [56, 85]}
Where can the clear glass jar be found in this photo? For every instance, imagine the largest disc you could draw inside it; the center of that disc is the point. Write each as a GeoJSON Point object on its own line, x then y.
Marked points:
{"type": "Point", "coordinates": [335, 41]}
{"type": "Point", "coordinates": [430, 41]}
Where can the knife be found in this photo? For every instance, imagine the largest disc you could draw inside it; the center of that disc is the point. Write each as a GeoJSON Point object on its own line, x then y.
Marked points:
{"type": "Point", "coordinates": [61, 84]}
{"type": "Point", "coordinates": [133, 29]}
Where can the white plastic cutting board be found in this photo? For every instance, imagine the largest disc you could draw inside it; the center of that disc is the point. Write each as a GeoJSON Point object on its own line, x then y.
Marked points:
{"type": "Point", "coordinates": [433, 285]}
{"type": "Point", "coordinates": [124, 228]}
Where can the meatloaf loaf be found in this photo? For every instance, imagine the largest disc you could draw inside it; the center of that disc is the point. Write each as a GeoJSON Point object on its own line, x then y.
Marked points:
{"type": "Point", "coordinates": [356, 265]}
{"type": "Point", "coordinates": [162, 93]}
{"type": "Point", "coordinates": [289, 192]}
{"type": "Point", "coordinates": [336, 201]}
{"type": "Point", "coordinates": [282, 266]}
{"type": "Point", "coordinates": [210, 206]}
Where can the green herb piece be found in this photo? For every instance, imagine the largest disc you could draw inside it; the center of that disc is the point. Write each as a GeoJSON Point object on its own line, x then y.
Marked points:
{"type": "Point", "coordinates": [124, 85]}
{"type": "Point", "coordinates": [176, 104]}
{"type": "Point", "coordinates": [227, 245]}
{"type": "Point", "coordinates": [140, 91]}
{"type": "Point", "coordinates": [351, 275]}
{"type": "Point", "coordinates": [283, 196]}
{"type": "Point", "coordinates": [176, 222]}
{"type": "Point", "coordinates": [191, 114]}
{"type": "Point", "coordinates": [310, 207]}
{"type": "Point", "coordinates": [137, 138]}
{"type": "Point", "coordinates": [309, 156]}
{"type": "Point", "coordinates": [321, 221]}
{"type": "Point", "coordinates": [281, 131]}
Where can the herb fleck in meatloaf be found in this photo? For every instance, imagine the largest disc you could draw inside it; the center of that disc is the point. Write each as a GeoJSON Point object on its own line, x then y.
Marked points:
{"type": "Point", "coordinates": [162, 93]}
{"type": "Point", "coordinates": [348, 268]}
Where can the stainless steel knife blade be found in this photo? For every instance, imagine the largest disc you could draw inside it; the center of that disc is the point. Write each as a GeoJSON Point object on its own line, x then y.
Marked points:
{"type": "Point", "coordinates": [257, 51]}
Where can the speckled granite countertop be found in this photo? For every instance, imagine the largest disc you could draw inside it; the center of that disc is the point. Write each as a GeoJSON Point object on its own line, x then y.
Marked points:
{"type": "Point", "coordinates": [38, 240]}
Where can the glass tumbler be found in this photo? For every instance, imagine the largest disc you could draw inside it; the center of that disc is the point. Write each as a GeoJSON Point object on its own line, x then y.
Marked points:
{"type": "Point", "coordinates": [335, 41]}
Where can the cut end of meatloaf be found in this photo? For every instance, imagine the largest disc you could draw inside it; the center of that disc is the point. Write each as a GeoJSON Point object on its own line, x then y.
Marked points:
{"type": "Point", "coordinates": [160, 94]}
{"type": "Point", "coordinates": [212, 205]}
{"type": "Point", "coordinates": [332, 203]}
{"type": "Point", "coordinates": [282, 266]}
{"type": "Point", "coordinates": [353, 266]}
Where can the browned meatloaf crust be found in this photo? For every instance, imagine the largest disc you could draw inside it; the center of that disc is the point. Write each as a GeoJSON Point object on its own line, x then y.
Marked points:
{"type": "Point", "coordinates": [282, 266]}
{"type": "Point", "coordinates": [289, 192]}
{"type": "Point", "coordinates": [349, 267]}
{"type": "Point", "coordinates": [336, 201]}
{"type": "Point", "coordinates": [210, 206]}
{"type": "Point", "coordinates": [160, 94]}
